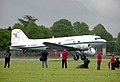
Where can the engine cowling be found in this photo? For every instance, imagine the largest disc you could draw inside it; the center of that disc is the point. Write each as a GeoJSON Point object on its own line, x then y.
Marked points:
{"type": "Point", "coordinates": [90, 51]}
{"type": "Point", "coordinates": [84, 46]}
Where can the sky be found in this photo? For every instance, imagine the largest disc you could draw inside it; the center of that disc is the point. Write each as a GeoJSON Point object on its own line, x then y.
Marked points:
{"type": "Point", "coordinates": [92, 12]}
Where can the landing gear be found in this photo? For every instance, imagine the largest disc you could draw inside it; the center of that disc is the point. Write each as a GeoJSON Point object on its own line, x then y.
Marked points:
{"type": "Point", "coordinates": [76, 57]}
{"type": "Point", "coordinates": [77, 54]}
{"type": "Point", "coordinates": [24, 50]}
{"type": "Point", "coordinates": [83, 57]}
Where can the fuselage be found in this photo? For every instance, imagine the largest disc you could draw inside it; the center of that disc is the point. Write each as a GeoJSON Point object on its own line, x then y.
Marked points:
{"type": "Point", "coordinates": [84, 43]}
{"type": "Point", "coordinates": [73, 41]}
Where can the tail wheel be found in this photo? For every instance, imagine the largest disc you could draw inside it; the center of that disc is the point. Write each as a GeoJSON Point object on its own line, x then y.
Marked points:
{"type": "Point", "coordinates": [83, 57]}
{"type": "Point", "coordinates": [24, 50]}
{"type": "Point", "coordinates": [76, 57]}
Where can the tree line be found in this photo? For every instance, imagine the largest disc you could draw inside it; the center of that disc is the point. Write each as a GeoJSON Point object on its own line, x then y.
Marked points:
{"type": "Point", "coordinates": [60, 28]}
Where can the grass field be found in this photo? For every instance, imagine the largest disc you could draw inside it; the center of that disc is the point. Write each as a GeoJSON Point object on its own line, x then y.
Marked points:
{"type": "Point", "coordinates": [32, 72]}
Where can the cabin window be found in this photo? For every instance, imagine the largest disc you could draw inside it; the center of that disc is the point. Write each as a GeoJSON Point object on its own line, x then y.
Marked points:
{"type": "Point", "coordinates": [78, 41]}
{"type": "Point", "coordinates": [59, 42]}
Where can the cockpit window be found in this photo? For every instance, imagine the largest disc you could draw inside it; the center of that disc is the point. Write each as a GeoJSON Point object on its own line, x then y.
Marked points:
{"type": "Point", "coordinates": [97, 38]}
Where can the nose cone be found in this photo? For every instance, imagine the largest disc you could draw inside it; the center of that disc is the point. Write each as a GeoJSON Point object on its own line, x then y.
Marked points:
{"type": "Point", "coordinates": [102, 40]}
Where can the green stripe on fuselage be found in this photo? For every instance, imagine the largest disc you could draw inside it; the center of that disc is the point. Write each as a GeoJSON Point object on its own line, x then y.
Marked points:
{"type": "Point", "coordinates": [82, 43]}
{"type": "Point", "coordinates": [35, 46]}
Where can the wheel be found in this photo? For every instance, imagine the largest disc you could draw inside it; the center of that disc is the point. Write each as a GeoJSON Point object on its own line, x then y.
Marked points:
{"type": "Point", "coordinates": [76, 57]}
{"type": "Point", "coordinates": [83, 57]}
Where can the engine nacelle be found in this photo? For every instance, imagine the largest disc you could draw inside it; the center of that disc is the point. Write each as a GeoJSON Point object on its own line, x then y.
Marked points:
{"type": "Point", "coordinates": [81, 46]}
{"type": "Point", "coordinates": [90, 51]}
{"type": "Point", "coordinates": [84, 46]}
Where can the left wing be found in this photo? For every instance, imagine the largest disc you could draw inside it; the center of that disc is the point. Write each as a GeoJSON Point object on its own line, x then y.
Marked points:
{"type": "Point", "coordinates": [61, 47]}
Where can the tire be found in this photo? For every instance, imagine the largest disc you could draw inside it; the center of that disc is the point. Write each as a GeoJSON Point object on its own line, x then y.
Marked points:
{"type": "Point", "coordinates": [83, 57]}
{"type": "Point", "coordinates": [76, 57]}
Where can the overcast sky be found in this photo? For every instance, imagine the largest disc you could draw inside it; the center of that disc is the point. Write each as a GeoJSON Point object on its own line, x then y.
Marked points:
{"type": "Point", "coordinates": [92, 12]}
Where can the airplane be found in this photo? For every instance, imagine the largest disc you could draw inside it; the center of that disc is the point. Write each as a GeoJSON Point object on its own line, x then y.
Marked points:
{"type": "Point", "coordinates": [80, 45]}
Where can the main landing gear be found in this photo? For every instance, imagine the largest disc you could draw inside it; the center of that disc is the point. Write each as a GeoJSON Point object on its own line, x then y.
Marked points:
{"type": "Point", "coordinates": [76, 57]}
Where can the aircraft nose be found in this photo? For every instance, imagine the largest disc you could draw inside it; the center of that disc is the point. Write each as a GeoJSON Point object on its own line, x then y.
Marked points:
{"type": "Point", "coordinates": [102, 40]}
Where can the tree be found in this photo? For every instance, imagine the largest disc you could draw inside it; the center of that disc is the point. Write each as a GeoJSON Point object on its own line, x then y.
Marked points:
{"type": "Point", "coordinates": [31, 29]}
{"type": "Point", "coordinates": [26, 20]}
{"type": "Point", "coordinates": [102, 32]}
{"type": "Point", "coordinates": [9, 28]}
{"type": "Point", "coordinates": [4, 38]}
{"type": "Point", "coordinates": [39, 32]}
{"type": "Point", "coordinates": [81, 28]}
{"type": "Point", "coordinates": [18, 26]}
{"type": "Point", "coordinates": [118, 44]}
{"type": "Point", "coordinates": [46, 32]}
{"type": "Point", "coordinates": [63, 21]}
{"type": "Point", "coordinates": [62, 28]}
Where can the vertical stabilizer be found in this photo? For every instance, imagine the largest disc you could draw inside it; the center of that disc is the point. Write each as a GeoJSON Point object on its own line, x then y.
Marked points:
{"type": "Point", "coordinates": [18, 37]}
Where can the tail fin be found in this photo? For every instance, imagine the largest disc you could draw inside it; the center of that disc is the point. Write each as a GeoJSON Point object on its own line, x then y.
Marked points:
{"type": "Point", "coordinates": [18, 37]}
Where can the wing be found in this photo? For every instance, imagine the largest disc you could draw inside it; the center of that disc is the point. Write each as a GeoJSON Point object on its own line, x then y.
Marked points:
{"type": "Point", "coordinates": [61, 47]}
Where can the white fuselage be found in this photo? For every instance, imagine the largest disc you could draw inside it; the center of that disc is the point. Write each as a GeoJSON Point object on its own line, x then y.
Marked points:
{"type": "Point", "coordinates": [20, 41]}
{"type": "Point", "coordinates": [74, 41]}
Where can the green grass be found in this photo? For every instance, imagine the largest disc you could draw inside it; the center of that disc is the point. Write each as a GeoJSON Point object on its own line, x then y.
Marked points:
{"type": "Point", "coordinates": [32, 72]}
